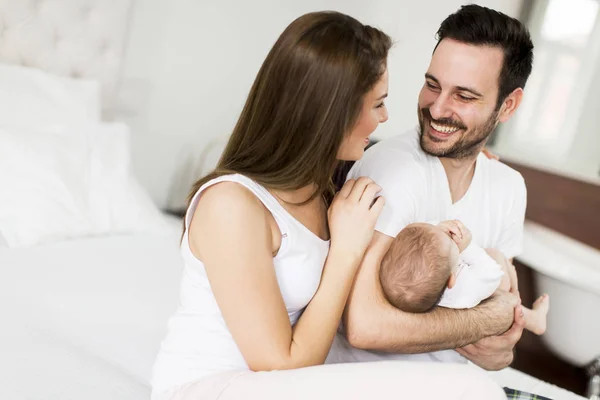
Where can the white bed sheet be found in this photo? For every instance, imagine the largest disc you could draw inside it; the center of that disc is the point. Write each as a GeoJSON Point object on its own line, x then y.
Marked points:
{"type": "Point", "coordinates": [83, 319]}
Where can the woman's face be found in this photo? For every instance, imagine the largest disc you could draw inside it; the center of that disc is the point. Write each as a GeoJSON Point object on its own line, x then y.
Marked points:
{"type": "Point", "coordinates": [372, 114]}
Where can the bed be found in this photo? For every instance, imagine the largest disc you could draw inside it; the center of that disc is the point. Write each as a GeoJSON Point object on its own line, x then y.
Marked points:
{"type": "Point", "coordinates": [89, 268]}
{"type": "Point", "coordinates": [82, 319]}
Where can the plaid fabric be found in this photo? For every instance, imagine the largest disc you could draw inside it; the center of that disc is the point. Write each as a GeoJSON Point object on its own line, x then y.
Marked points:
{"type": "Point", "coordinates": [513, 394]}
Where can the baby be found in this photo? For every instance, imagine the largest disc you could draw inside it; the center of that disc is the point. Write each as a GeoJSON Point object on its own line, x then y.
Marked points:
{"type": "Point", "coordinates": [429, 265]}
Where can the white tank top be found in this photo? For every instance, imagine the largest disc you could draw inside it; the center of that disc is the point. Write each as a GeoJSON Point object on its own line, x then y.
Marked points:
{"type": "Point", "coordinates": [198, 343]}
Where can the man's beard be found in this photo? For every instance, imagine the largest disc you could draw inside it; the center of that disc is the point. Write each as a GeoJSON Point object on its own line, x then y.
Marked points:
{"type": "Point", "coordinates": [470, 143]}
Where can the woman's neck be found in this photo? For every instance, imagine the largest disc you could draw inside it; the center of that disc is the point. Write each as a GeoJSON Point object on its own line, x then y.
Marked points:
{"type": "Point", "coordinates": [296, 196]}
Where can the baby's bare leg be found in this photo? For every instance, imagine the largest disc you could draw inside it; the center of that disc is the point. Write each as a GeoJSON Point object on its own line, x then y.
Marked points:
{"type": "Point", "coordinates": [505, 283]}
{"type": "Point", "coordinates": [535, 318]}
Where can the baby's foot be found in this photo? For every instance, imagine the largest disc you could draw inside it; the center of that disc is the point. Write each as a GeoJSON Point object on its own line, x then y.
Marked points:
{"type": "Point", "coordinates": [538, 315]}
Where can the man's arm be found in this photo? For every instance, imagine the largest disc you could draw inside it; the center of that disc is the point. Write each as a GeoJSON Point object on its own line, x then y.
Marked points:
{"type": "Point", "coordinates": [496, 352]}
{"type": "Point", "coordinates": [372, 323]}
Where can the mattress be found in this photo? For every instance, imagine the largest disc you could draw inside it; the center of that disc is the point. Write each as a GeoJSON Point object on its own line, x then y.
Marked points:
{"type": "Point", "coordinates": [83, 319]}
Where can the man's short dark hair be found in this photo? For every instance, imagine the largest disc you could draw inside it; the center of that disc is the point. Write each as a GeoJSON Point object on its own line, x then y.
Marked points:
{"type": "Point", "coordinates": [482, 26]}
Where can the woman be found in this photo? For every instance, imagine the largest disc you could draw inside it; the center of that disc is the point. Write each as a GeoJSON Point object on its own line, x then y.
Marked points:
{"type": "Point", "coordinates": [270, 254]}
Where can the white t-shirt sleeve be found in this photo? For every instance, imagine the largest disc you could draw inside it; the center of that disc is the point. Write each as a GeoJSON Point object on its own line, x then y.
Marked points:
{"type": "Point", "coordinates": [477, 279]}
{"type": "Point", "coordinates": [510, 241]}
{"type": "Point", "coordinates": [399, 177]}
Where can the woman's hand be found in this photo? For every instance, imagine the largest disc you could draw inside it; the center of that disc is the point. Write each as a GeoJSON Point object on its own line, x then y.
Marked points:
{"type": "Point", "coordinates": [489, 154]}
{"type": "Point", "coordinates": [353, 214]}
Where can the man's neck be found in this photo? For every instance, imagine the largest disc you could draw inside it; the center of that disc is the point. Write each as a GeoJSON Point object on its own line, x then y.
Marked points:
{"type": "Point", "coordinates": [459, 173]}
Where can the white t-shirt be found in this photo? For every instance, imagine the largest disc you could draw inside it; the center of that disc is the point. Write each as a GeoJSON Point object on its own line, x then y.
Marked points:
{"type": "Point", "coordinates": [415, 187]}
{"type": "Point", "coordinates": [477, 278]}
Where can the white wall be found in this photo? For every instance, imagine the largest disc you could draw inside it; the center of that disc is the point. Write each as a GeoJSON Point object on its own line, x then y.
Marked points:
{"type": "Point", "coordinates": [190, 64]}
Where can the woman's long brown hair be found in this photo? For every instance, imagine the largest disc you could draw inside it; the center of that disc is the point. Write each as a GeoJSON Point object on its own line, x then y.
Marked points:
{"type": "Point", "coordinates": [307, 96]}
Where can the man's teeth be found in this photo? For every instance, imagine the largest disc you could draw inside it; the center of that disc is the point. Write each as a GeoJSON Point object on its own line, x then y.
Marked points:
{"type": "Point", "coordinates": [443, 128]}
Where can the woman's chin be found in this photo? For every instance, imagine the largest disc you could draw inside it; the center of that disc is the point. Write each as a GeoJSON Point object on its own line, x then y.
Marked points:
{"type": "Point", "coordinates": [355, 153]}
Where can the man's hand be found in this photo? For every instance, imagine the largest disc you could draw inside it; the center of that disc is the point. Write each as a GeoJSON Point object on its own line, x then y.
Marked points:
{"type": "Point", "coordinates": [496, 352]}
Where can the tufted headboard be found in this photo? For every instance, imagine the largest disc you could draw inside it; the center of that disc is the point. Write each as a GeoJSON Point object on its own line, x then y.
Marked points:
{"type": "Point", "coordinates": [76, 38]}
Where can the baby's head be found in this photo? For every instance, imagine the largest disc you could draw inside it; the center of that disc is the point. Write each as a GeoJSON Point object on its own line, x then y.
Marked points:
{"type": "Point", "coordinates": [420, 264]}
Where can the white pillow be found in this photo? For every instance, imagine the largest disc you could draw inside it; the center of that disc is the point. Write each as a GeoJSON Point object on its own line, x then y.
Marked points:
{"type": "Point", "coordinates": [118, 202]}
{"type": "Point", "coordinates": [33, 97]}
{"type": "Point", "coordinates": [69, 183]}
{"type": "Point", "coordinates": [44, 179]}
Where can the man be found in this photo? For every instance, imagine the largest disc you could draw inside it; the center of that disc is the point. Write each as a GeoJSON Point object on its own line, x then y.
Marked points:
{"type": "Point", "coordinates": [475, 80]}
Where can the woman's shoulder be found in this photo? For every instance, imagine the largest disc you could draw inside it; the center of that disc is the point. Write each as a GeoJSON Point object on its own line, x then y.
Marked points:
{"type": "Point", "coordinates": [228, 198]}
{"type": "Point", "coordinates": [227, 212]}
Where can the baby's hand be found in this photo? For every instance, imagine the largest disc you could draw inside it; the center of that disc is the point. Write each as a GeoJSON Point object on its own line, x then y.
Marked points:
{"type": "Point", "coordinates": [458, 232]}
